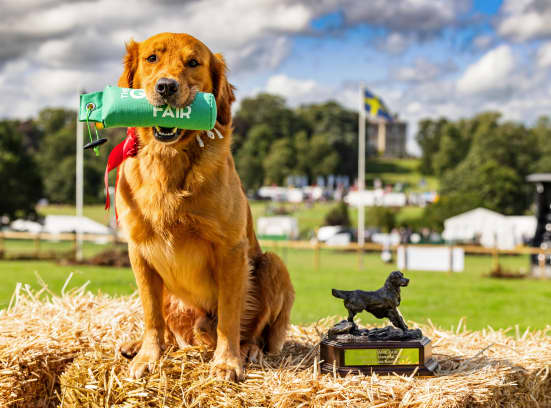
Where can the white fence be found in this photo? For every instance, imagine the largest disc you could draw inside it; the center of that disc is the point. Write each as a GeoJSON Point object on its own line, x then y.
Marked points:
{"type": "Point", "coordinates": [436, 258]}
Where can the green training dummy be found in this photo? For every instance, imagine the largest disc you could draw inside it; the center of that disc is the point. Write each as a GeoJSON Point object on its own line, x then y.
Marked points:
{"type": "Point", "coordinates": [124, 107]}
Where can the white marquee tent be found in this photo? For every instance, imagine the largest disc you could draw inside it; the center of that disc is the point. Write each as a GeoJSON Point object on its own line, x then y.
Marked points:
{"type": "Point", "coordinates": [277, 226]}
{"type": "Point", "coordinates": [58, 224]}
{"type": "Point", "coordinates": [489, 228]}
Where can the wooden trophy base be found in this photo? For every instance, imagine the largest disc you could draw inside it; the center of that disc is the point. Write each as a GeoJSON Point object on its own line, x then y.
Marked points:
{"type": "Point", "coordinates": [353, 354]}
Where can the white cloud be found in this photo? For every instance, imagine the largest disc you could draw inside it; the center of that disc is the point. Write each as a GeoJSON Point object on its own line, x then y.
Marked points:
{"type": "Point", "coordinates": [420, 16]}
{"type": "Point", "coordinates": [405, 22]}
{"type": "Point", "coordinates": [544, 55]}
{"type": "Point", "coordinates": [62, 50]}
{"type": "Point", "coordinates": [414, 108]}
{"type": "Point", "coordinates": [62, 42]}
{"type": "Point", "coordinates": [297, 91]}
{"type": "Point", "coordinates": [523, 20]}
{"type": "Point", "coordinates": [395, 43]}
{"type": "Point", "coordinates": [46, 54]}
{"type": "Point", "coordinates": [440, 96]}
{"type": "Point", "coordinates": [483, 41]}
{"type": "Point", "coordinates": [226, 25]}
{"type": "Point", "coordinates": [490, 74]}
{"type": "Point", "coordinates": [423, 70]}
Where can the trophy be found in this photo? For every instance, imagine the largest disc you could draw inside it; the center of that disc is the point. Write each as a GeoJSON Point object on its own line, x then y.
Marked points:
{"type": "Point", "coordinates": [393, 349]}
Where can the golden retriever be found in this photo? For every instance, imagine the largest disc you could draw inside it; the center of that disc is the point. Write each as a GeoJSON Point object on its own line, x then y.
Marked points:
{"type": "Point", "coordinates": [192, 245]}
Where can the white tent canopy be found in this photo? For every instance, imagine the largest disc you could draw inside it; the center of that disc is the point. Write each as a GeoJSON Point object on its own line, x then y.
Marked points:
{"type": "Point", "coordinates": [372, 198]}
{"type": "Point", "coordinates": [58, 224]}
{"type": "Point", "coordinates": [489, 228]}
{"type": "Point", "coordinates": [277, 226]}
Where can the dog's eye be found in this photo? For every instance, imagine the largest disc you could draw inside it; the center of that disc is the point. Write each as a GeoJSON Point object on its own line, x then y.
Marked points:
{"type": "Point", "coordinates": [192, 63]}
{"type": "Point", "coordinates": [152, 58]}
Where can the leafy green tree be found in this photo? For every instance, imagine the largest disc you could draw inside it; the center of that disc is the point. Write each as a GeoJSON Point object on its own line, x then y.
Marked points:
{"type": "Point", "coordinates": [340, 127]}
{"type": "Point", "coordinates": [251, 155]}
{"type": "Point", "coordinates": [542, 135]}
{"type": "Point", "coordinates": [323, 158]}
{"type": "Point", "coordinates": [490, 184]}
{"type": "Point", "coordinates": [428, 138]}
{"type": "Point", "coordinates": [268, 110]}
{"type": "Point", "coordinates": [57, 161]}
{"type": "Point", "coordinates": [258, 124]}
{"type": "Point", "coordinates": [302, 150]}
{"type": "Point", "coordinates": [493, 172]}
{"type": "Point", "coordinates": [452, 150]}
{"type": "Point", "coordinates": [338, 215]}
{"type": "Point", "coordinates": [381, 217]}
{"type": "Point", "coordinates": [21, 186]}
{"type": "Point", "coordinates": [279, 162]}
{"type": "Point", "coordinates": [313, 140]}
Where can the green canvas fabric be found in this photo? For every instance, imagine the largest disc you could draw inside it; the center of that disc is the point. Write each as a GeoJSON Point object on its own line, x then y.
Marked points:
{"type": "Point", "coordinates": [124, 107]}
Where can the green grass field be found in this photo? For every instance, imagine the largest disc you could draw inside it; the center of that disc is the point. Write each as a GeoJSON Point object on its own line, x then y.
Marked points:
{"type": "Point", "coordinates": [443, 298]}
{"type": "Point", "coordinates": [26, 246]}
{"type": "Point", "coordinates": [392, 171]}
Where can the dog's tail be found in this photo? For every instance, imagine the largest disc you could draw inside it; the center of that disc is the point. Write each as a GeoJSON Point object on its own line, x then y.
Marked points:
{"type": "Point", "coordinates": [341, 294]}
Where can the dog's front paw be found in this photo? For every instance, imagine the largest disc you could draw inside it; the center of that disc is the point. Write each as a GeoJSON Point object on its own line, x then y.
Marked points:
{"type": "Point", "coordinates": [227, 366]}
{"type": "Point", "coordinates": [130, 348]}
{"type": "Point", "coordinates": [144, 360]}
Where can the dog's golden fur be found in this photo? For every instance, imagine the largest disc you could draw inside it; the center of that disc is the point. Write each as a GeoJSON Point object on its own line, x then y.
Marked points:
{"type": "Point", "coordinates": [192, 245]}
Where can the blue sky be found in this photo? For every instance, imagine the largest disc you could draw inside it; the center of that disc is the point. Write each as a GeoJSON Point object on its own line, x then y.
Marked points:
{"type": "Point", "coordinates": [425, 58]}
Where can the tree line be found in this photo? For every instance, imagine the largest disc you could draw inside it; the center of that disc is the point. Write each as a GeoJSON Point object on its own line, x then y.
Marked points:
{"type": "Point", "coordinates": [37, 160]}
{"type": "Point", "coordinates": [271, 142]}
{"type": "Point", "coordinates": [482, 162]}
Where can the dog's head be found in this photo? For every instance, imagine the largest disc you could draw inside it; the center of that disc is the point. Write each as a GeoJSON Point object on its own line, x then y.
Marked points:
{"type": "Point", "coordinates": [172, 68]}
{"type": "Point", "coordinates": [397, 279]}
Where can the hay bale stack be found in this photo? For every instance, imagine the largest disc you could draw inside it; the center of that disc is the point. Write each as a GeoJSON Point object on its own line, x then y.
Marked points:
{"type": "Point", "coordinates": [488, 369]}
{"type": "Point", "coordinates": [40, 337]}
{"type": "Point", "coordinates": [63, 352]}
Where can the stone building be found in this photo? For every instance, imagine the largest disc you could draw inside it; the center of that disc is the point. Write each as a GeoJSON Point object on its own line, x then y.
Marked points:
{"type": "Point", "coordinates": [386, 139]}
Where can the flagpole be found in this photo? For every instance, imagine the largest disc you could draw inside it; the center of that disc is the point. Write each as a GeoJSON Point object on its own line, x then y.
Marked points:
{"type": "Point", "coordinates": [79, 184]}
{"type": "Point", "coordinates": [361, 173]}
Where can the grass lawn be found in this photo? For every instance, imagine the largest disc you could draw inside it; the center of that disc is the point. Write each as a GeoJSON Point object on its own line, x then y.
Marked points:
{"type": "Point", "coordinates": [27, 246]}
{"type": "Point", "coordinates": [441, 297]}
{"type": "Point", "coordinates": [114, 281]}
{"type": "Point", "coordinates": [392, 171]}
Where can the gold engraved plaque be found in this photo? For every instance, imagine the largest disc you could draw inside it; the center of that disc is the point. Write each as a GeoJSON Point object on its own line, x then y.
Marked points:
{"type": "Point", "coordinates": [382, 356]}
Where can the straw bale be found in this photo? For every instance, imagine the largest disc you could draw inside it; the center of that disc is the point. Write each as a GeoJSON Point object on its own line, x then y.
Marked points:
{"type": "Point", "coordinates": [63, 352]}
{"type": "Point", "coordinates": [40, 337]}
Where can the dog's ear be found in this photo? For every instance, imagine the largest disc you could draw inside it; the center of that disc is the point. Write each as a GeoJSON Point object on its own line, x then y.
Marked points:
{"type": "Point", "coordinates": [130, 61]}
{"type": "Point", "coordinates": [222, 89]}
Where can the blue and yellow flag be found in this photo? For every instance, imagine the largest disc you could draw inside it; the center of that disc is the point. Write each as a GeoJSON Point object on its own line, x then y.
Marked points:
{"type": "Point", "coordinates": [375, 106]}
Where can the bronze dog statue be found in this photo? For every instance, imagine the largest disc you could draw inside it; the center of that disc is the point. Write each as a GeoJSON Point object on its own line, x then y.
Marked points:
{"type": "Point", "coordinates": [380, 303]}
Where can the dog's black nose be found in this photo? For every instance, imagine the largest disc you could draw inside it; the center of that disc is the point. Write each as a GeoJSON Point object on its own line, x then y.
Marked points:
{"type": "Point", "coordinates": [166, 87]}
